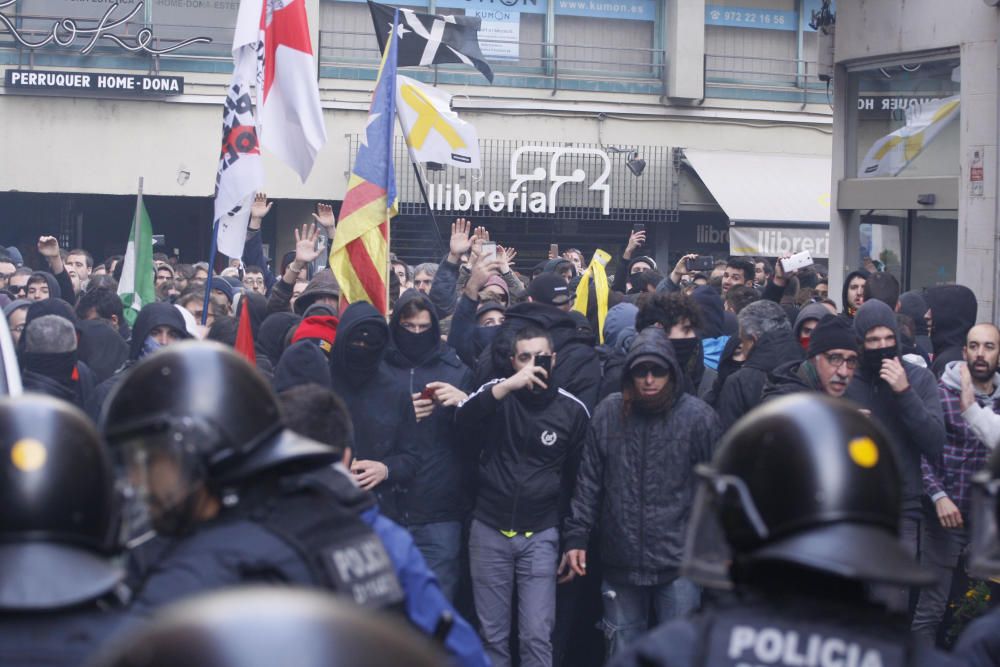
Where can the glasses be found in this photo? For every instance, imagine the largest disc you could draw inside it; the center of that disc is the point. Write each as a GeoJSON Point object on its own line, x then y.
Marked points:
{"type": "Point", "coordinates": [642, 371]}
{"type": "Point", "coordinates": [838, 360]}
{"type": "Point", "coordinates": [19, 289]}
{"type": "Point", "coordinates": [17, 329]}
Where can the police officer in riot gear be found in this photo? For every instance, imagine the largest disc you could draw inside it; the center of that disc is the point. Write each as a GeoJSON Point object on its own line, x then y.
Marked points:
{"type": "Point", "coordinates": [210, 468]}
{"type": "Point", "coordinates": [60, 592]}
{"type": "Point", "coordinates": [268, 627]}
{"type": "Point", "coordinates": [979, 644]}
{"type": "Point", "coordinates": [798, 513]}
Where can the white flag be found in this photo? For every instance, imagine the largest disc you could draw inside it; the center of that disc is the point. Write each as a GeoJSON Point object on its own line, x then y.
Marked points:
{"type": "Point", "coordinates": [433, 131]}
{"type": "Point", "coordinates": [241, 173]}
{"type": "Point", "coordinates": [890, 154]}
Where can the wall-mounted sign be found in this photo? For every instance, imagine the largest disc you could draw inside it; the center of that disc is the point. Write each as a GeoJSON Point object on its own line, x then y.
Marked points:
{"type": "Point", "coordinates": [500, 33]}
{"type": "Point", "coordinates": [65, 31]}
{"type": "Point", "coordinates": [534, 192]}
{"type": "Point", "coordinates": [751, 17]}
{"type": "Point", "coordinates": [632, 10]}
{"type": "Point", "coordinates": [128, 84]}
{"type": "Point", "coordinates": [776, 241]}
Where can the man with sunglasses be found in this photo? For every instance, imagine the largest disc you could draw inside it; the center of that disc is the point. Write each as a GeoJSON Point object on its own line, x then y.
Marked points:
{"type": "Point", "coordinates": [831, 360]}
{"type": "Point", "coordinates": [637, 481]}
{"type": "Point", "coordinates": [799, 513]}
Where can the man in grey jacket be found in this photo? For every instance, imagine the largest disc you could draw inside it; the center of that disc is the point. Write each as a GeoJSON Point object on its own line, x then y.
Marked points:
{"type": "Point", "coordinates": [637, 480]}
{"type": "Point", "coordinates": [903, 398]}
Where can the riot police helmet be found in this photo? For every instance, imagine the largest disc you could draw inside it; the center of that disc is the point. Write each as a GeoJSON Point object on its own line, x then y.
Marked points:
{"type": "Point", "coordinates": [59, 525]}
{"type": "Point", "coordinates": [808, 481]}
{"type": "Point", "coordinates": [263, 627]}
{"type": "Point", "coordinates": [197, 416]}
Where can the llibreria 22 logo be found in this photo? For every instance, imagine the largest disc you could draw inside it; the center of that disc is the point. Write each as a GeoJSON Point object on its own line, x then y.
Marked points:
{"type": "Point", "coordinates": [534, 191]}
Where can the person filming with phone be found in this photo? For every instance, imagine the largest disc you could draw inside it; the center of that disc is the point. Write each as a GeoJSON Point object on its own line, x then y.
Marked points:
{"type": "Point", "coordinates": [531, 433]}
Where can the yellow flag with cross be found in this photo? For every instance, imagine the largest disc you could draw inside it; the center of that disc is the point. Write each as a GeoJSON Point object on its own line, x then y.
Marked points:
{"type": "Point", "coordinates": [433, 131]}
{"type": "Point", "coordinates": [890, 154]}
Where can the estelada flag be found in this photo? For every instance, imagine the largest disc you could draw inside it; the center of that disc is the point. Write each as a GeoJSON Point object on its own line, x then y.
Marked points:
{"type": "Point", "coordinates": [359, 257]}
{"type": "Point", "coordinates": [289, 115]}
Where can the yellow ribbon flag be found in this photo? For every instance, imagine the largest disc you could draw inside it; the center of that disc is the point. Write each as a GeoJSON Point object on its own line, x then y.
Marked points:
{"type": "Point", "coordinates": [600, 275]}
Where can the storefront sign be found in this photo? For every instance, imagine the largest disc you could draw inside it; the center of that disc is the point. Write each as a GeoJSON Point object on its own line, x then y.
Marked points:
{"type": "Point", "coordinates": [534, 192]}
{"type": "Point", "coordinates": [65, 32]}
{"type": "Point", "coordinates": [130, 84]}
{"type": "Point", "coordinates": [777, 241]}
{"type": "Point", "coordinates": [500, 33]}
{"type": "Point", "coordinates": [751, 17]}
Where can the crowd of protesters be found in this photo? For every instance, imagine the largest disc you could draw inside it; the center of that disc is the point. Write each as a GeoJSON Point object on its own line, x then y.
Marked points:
{"type": "Point", "coordinates": [542, 455]}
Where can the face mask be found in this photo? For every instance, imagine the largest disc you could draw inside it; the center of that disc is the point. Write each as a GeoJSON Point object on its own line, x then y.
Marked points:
{"type": "Point", "coordinates": [804, 342]}
{"type": "Point", "coordinates": [415, 346]}
{"type": "Point", "coordinates": [483, 336]}
{"type": "Point", "coordinates": [149, 346]}
{"type": "Point", "coordinates": [684, 348]}
{"type": "Point", "coordinates": [366, 359]}
{"type": "Point", "coordinates": [872, 359]}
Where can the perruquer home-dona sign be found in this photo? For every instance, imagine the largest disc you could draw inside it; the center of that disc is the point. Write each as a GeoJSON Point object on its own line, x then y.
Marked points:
{"type": "Point", "coordinates": [127, 84]}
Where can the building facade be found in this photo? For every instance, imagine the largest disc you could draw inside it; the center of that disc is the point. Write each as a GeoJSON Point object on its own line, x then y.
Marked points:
{"type": "Point", "coordinates": [680, 85]}
{"type": "Point", "coordinates": [915, 137]}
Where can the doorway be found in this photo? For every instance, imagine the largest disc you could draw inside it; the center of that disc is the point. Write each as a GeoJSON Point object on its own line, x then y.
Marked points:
{"type": "Point", "coordinates": [918, 247]}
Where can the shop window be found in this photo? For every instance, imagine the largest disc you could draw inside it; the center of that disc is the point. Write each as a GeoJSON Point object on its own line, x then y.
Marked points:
{"type": "Point", "coordinates": [904, 119]}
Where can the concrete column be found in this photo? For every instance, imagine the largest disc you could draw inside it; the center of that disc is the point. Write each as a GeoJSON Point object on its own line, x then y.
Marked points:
{"type": "Point", "coordinates": [685, 49]}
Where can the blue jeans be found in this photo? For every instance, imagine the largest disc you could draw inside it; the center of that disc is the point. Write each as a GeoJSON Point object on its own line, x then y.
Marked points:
{"type": "Point", "coordinates": [626, 608]}
{"type": "Point", "coordinates": [441, 546]}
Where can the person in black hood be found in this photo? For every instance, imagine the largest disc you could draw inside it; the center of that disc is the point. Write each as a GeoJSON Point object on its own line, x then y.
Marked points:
{"type": "Point", "coordinates": [579, 369]}
{"type": "Point", "coordinates": [530, 431]}
{"type": "Point", "coordinates": [767, 340]}
{"type": "Point", "coordinates": [436, 379]}
{"type": "Point", "coordinates": [388, 453]}
{"type": "Point", "coordinates": [273, 336]}
{"type": "Point", "coordinates": [637, 481]}
{"type": "Point", "coordinates": [679, 316]}
{"type": "Point", "coordinates": [84, 382]}
{"type": "Point", "coordinates": [853, 294]}
{"type": "Point", "coordinates": [49, 360]}
{"type": "Point", "coordinates": [914, 305]}
{"type": "Point", "coordinates": [953, 312]}
{"type": "Point", "coordinates": [157, 325]}
{"type": "Point", "coordinates": [43, 285]}
{"type": "Point", "coordinates": [904, 399]}
{"type": "Point", "coordinates": [101, 348]}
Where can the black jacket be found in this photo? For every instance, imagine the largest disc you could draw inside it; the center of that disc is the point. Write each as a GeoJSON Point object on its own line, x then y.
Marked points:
{"type": "Point", "coordinates": [742, 390]}
{"type": "Point", "coordinates": [790, 378]}
{"type": "Point", "coordinates": [528, 457]}
{"type": "Point", "coordinates": [436, 491]}
{"type": "Point", "coordinates": [381, 411]}
{"type": "Point", "coordinates": [953, 313]}
{"type": "Point", "coordinates": [577, 369]}
{"type": "Point", "coordinates": [637, 481]}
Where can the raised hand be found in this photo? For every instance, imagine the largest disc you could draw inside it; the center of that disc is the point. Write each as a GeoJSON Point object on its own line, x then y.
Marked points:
{"type": "Point", "coordinates": [635, 240]}
{"type": "Point", "coordinates": [48, 246]}
{"type": "Point", "coordinates": [305, 244]}
{"type": "Point", "coordinates": [460, 242]}
{"type": "Point", "coordinates": [260, 207]}
{"type": "Point", "coordinates": [324, 217]}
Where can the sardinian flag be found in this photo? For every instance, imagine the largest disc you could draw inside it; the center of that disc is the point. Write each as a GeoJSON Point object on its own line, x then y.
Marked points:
{"type": "Point", "coordinates": [430, 39]}
{"type": "Point", "coordinates": [241, 173]}
{"type": "Point", "coordinates": [290, 118]}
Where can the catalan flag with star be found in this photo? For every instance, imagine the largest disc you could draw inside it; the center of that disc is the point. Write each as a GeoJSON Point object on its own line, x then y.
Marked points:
{"type": "Point", "coordinates": [359, 257]}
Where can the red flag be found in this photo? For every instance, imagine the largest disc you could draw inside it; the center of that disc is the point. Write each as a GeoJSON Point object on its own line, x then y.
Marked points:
{"type": "Point", "coordinates": [244, 334]}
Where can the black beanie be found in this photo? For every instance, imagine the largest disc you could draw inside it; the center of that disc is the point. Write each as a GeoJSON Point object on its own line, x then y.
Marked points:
{"type": "Point", "coordinates": [834, 332]}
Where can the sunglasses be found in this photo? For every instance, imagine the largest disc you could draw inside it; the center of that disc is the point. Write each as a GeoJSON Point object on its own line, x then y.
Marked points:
{"type": "Point", "coordinates": [645, 369]}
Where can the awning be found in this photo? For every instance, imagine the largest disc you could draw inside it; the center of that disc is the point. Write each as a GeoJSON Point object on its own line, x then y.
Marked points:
{"type": "Point", "coordinates": [781, 201]}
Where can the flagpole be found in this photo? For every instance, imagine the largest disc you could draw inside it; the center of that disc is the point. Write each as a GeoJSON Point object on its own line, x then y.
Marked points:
{"type": "Point", "coordinates": [420, 183]}
{"type": "Point", "coordinates": [211, 270]}
{"type": "Point", "coordinates": [138, 206]}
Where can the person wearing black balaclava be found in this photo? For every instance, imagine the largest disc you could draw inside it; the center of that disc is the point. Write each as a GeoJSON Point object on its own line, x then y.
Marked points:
{"type": "Point", "coordinates": [680, 317]}
{"type": "Point", "coordinates": [388, 452]}
{"type": "Point", "coordinates": [437, 382]}
{"type": "Point", "coordinates": [83, 381]}
{"type": "Point", "coordinates": [48, 358]}
{"type": "Point", "coordinates": [904, 399]}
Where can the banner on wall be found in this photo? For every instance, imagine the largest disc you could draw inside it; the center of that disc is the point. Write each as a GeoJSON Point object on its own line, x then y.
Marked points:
{"type": "Point", "coordinates": [762, 18]}
{"type": "Point", "coordinates": [631, 10]}
{"type": "Point", "coordinates": [500, 33]}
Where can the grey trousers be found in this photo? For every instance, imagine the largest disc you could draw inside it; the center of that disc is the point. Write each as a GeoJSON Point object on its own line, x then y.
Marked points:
{"type": "Point", "coordinates": [942, 548]}
{"type": "Point", "coordinates": [499, 563]}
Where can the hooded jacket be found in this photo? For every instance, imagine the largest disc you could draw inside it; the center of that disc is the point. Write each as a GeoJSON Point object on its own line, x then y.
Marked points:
{"type": "Point", "coordinates": [436, 491]}
{"type": "Point", "coordinates": [742, 390]}
{"type": "Point", "coordinates": [912, 303]}
{"type": "Point", "coordinates": [577, 369]}
{"type": "Point", "coordinates": [913, 419]}
{"type": "Point", "coordinates": [713, 338]}
{"type": "Point", "coordinates": [636, 478]}
{"type": "Point", "coordinates": [529, 454]}
{"type": "Point", "coordinates": [55, 291]}
{"type": "Point", "coordinates": [101, 348]}
{"type": "Point", "coordinates": [151, 316]}
{"type": "Point", "coordinates": [953, 313]}
{"type": "Point", "coordinates": [790, 378]}
{"type": "Point", "coordinates": [619, 325]}
{"type": "Point", "coordinates": [814, 311]}
{"type": "Point", "coordinates": [847, 310]}
{"type": "Point", "coordinates": [381, 409]}
{"type": "Point", "coordinates": [322, 284]}
{"type": "Point", "coordinates": [274, 335]}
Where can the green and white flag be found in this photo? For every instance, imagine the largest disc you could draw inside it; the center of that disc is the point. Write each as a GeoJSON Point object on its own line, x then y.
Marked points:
{"type": "Point", "coordinates": [136, 287]}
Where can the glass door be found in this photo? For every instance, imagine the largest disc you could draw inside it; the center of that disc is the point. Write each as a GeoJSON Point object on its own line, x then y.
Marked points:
{"type": "Point", "coordinates": [918, 247]}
